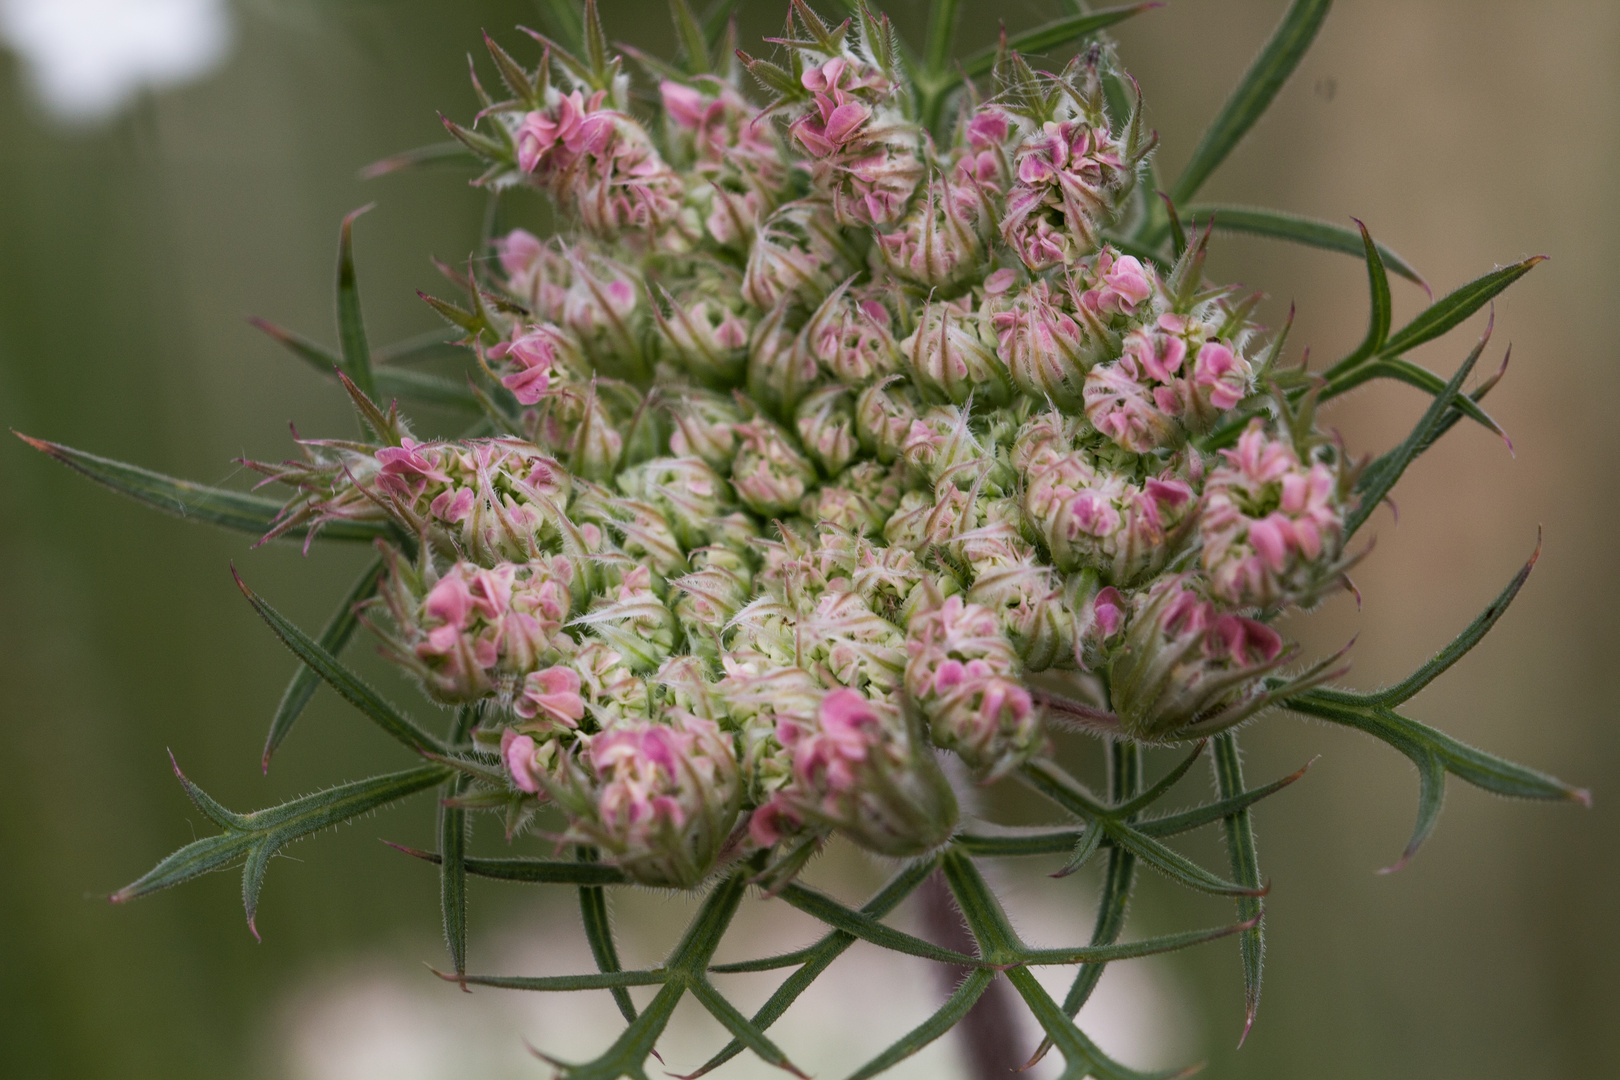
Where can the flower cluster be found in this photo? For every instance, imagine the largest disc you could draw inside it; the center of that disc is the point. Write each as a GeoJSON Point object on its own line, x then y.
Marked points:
{"type": "Point", "coordinates": [820, 437]}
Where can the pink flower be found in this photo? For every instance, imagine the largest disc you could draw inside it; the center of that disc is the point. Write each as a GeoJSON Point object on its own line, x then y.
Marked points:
{"type": "Point", "coordinates": [1122, 284]}
{"type": "Point", "coordinates": [1218, 372]}
{"type": "Point", "coordinates": [1108, 611]}
{"type": "Point", "coordinates": [1273, 526]}
{"type": "Point", "coordinates": [687, 107]}
{"type": "Point", "coordinates": [659, 798]}
{"type": "Point", "coordinates": [853, 767]}
{"type": "Point", "coordinates": [534, 355]}
{"type": "Point", "coordinates": [518, 754]}
{"type": "Point", "coordinates": [518, 251]}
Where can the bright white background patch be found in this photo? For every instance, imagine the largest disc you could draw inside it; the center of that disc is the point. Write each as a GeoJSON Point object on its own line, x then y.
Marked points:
{"type": "Point", "coordinates": [86, 59]}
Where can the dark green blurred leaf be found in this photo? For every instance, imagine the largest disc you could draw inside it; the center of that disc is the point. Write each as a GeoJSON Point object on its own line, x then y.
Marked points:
{"type": "Point", "coordinates": [1435, 754]}
{"type": "Point", "coordinates": [255, 514]}
{"type": "Point", "coordinates": [340, 678]}
{"type": "Point", "coordinates": [339, 628]}
{"type": "Point", "coordinates": [257, 836]}
{"type": "Point", "coordinates": [1281, 225]}
{"type": "Point", "coordinates": [1245, 861]}
{"type": "Point", "coordinates": [1456, 306]}
{"type": "Point", "coordinates": [352, 344]}
{"type": "Point", "coordinates": [1254, 94]}
{"type": "Point", "coordinates": [593, 912]}
{"type": "Point", "coordinates": [1380, 307]}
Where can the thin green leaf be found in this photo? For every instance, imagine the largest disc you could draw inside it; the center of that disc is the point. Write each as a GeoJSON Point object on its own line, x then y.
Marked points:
{"type": "Point", "coordinates": [1382, 475]}
{"type": "Point", "coordinates": [1050, 779]}
{"type": "Point", "coordinates": [1177, 867]}
{"type": "Point", "coordinates": [1413, 375]}
{"type": "Point", "coordinates": [512, 74]}
{"type": "Point", "coordinates": [745, 1031]}
{"type": "Point", "coordinates": [1435, 754]}
{"type": "Point", "coordinates": [1084, 1057]}
{"type": "Point", "coordinates": [941, 32]}
{"type": "Point", "coordinates": [1380, 308]}
{"type": "Point", "coordinates": [257, 836]}
{"type": "Point", "coordinates": [422, 155]}
{"type": "Point", "coordinates": [965, 996]}
{"type": "Point", "coordinates": [453, 876]}
{"type": "Point", "coordinates": [1164, 784]}
{"type": "Point", "coordinates": [998, 941]}
{"type": "Point", "coordinates": [1103, 954]}
{"type": "Point", "coordinates": [715, 19]}
{"type": "Point", "coordinates": [694, 42]}
{"type": "Point", "coordinates": [602, 980]}
{"type": "Point", "coordinates": [562, 17]}
{"type": "Point", "coordinates": [596, 46]}
{"type": "Point", "coordinates": [821, 906]}
{"type": "Point", "coordinates": [825, 952]}
{"type": "Point", "coordinates": [390, 381]}
{"type": "Point", "coordinates": [245, 512]}
{"type": "Point", "coordinates": [340, 678]}
{"type": "Point", "coordinates": [425, 388]}
{"type": "Point", "coordinates": [1178, 234]}
{"type": "Point", "coordinates": [1199, 816]}
{"type": "Point", "coordinates": [355, 351]}
{"type": "Point", "coordinates": [1281, 225]}
{"type": "Point", "coordinates": [1277, 60]}
{"type": "Point", "coordinates": [440, 340]}
{"type": "Point", "coordinates": [531, 871]}
{"type": "Point", "coordinates": [1124, 781]}
{"type": "Point", "coordinates": [482, 146]}
{"type": "Point", "coordinates": [772, 963]}
{"type": "Point", "coordinates": [1053, 35]}
{"type": "Point", "coordinates": [629, 1052]}
{"type": "Point", "coordinates": [1448, 311]}
{"type": "Point", "coordinates": [593, 912]}
{"type": "Point", "coordinates": [1408, 687]}
{"type": "Point", "coordinates": [1084, 848]}
{"type": "Point", "coordinates": [334, 636]}
{"type": "Point", "coordinates": [1245, 862]}
{"type": "Point", "coordinates": [1035, 843]}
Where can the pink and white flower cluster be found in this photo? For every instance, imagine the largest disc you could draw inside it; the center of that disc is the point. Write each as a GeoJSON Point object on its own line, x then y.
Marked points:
{"type": "Point", "coordinates": [819, 438]}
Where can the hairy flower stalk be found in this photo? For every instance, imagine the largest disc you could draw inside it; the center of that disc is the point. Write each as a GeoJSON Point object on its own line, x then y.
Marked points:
{"type": "Point", "coordinates": [843, 441]}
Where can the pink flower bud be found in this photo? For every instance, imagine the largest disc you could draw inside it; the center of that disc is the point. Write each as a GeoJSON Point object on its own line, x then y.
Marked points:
{"type": "Point", "coordinates": [475, 631]}
{"type": "Point", "coordinates": [551, 694]}
{"type": "Point", "coordinates": [826, 424]}
{"type": "Point", "coordinates": [769, 474]}
{"type": "Point", "coordinates": [850, 336]}
{"type": "Point", "coordinates": [1046, 351]}
{"type": "Point", "coordinates": [1273, 525]}
{"type": "Point", "coordinates": [964, 674]}
{"type": "Point", "coordinates": [1185, 669]}
{"type": "Point", "coordinates": [946, 354]}
{"type": "Point", "coordinates": [658, 797]}
{"type": "Point", "coordinates": [857, 768]}
{"type": "Point", "coordinates": [1090, 516]}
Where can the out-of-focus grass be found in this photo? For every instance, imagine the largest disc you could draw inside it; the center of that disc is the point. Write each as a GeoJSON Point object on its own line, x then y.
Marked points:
{"type": "Point", "coordinates": [1466, 134]}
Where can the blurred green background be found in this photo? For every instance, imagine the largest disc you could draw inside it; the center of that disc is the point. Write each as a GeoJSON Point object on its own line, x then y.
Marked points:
{"type": "Point", "coordinates": [1466, 133]}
